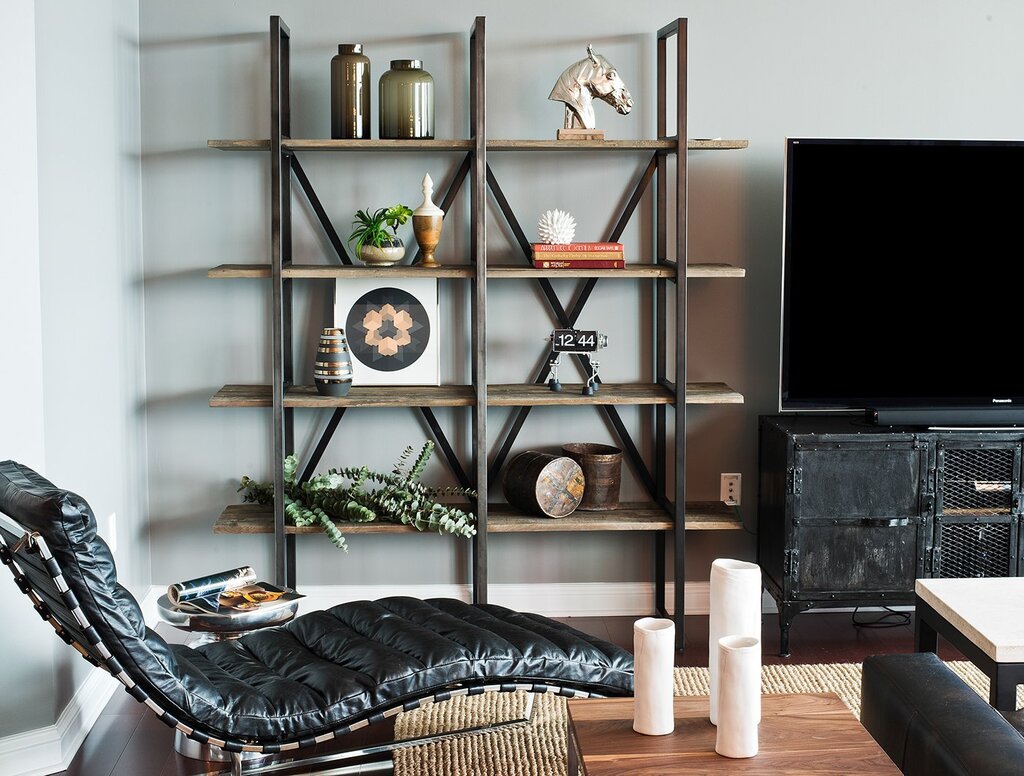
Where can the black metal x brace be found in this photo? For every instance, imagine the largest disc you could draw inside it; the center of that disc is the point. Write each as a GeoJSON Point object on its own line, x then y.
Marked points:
{"type": "Point", "coordinates": [568, 320]}
{"type": "Point", "coordinates": [454, 185]}
{"type": "Point", "coordinates": [565, 318]}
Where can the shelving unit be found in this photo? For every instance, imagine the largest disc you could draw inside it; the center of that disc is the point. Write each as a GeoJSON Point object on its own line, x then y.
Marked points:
{"type": "Point", "coordinates": [660, 515]}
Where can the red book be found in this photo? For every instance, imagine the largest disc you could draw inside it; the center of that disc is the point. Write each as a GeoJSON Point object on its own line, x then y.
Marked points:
{"type": "Point", "coordinates": [586, 247]}
{"type": "Point", "coordinates": [579, 255]}
{"type": "Point", "coordinates": [566, 264]}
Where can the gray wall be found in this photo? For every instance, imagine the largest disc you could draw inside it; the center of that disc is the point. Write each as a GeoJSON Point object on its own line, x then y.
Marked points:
{"type": "Point", "coordinates": [73, 397]}
{"type": "Point", "coordinates": [760, 71]}
{"type": "Point", "coordinates": [75, 400]}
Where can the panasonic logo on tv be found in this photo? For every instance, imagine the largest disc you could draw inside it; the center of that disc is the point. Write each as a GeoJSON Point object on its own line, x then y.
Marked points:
{"type": "Point", "coordinates": [1002, 401]}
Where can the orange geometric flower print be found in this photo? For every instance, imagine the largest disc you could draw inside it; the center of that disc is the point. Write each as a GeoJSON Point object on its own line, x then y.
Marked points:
{"type": "Point", "coordinates": [387, 329]}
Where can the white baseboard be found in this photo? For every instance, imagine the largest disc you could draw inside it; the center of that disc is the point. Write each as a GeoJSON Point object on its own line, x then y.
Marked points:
{"type": "Point", "coordinates": [50, 749]}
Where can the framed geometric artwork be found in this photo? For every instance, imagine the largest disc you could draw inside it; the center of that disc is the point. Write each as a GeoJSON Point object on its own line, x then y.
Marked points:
{"type": "Point", "coordinates": [392, 329]}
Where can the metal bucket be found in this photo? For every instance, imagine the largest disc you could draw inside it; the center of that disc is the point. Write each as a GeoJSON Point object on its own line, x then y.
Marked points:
{"type": "Point", "coordinates": [543, 484]}
{"type": "Point", "coordinates": [602, 470]}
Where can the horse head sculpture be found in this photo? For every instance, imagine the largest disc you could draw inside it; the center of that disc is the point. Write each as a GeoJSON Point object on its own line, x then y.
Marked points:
{"type": "Point", "coordinates": [593, 77]}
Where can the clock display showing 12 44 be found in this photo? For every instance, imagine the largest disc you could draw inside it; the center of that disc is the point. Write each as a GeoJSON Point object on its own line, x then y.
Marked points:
{"type": "Point", "coordinates": [577, 341]}
{"type": "Point", "coordinates": [581, 342]}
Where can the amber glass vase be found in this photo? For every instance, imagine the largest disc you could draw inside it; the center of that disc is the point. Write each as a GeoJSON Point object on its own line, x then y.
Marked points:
{"type": "Point", "coordinates": [350, 93]}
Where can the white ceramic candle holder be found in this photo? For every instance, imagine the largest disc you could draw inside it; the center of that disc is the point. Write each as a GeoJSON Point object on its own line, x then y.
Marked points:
{"type": "Point", "coordinates": [739, 696]}
{"type": "Point", "coordinates": [735, 611]}
{"type": "Point", "coordinates": [654, 644]}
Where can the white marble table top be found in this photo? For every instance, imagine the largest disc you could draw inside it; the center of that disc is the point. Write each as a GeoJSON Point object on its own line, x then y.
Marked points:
{"type": "Point", "coordinates": [989, 611]}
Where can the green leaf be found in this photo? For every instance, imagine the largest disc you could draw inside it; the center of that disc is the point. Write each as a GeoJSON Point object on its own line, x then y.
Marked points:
{"type": "Point", "coordinates": [342, 495]}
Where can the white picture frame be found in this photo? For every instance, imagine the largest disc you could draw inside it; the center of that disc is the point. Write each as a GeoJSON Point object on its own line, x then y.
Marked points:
{"type": "Point", "coordinates": [392, 329]}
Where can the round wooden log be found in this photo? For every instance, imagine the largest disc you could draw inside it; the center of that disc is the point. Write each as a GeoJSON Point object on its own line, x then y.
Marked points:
{"type": "Point", "coordinates": [543, 484]}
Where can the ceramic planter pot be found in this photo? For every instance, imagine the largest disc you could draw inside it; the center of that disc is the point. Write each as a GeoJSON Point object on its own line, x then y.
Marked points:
{"type": "Point", "coordinates": [383, 256]}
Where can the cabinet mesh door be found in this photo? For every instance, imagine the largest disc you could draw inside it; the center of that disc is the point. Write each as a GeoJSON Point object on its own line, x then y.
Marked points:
{"type": "Point", "coordinates": [973, 528]}
{"type": "Point", "coordinates": [977, 481]}
{"type": "Point", "coordinates": [974, 550]}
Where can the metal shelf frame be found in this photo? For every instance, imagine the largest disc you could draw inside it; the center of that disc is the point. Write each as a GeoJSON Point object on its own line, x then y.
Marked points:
{"type": "Point", "coordinates": [670, 292]}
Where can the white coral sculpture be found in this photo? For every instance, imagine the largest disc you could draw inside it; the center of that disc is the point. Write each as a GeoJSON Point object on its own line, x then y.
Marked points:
{"type": "Point", "coordinates": [556, 226]}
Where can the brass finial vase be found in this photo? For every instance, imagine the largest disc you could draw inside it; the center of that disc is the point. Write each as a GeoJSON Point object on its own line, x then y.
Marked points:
{"type": "Point", "coordinates": [427, 221]}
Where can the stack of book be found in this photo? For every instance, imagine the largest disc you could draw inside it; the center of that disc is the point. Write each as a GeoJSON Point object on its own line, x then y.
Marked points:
{"type": "Point", "coordinates": [578, 255]}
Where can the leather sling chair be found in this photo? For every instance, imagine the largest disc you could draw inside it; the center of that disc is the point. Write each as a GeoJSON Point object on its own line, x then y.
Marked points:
{"type": "Point", "coordinates": [284, 688]}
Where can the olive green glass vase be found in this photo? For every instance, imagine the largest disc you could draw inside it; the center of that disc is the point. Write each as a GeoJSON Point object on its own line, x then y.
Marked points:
{"type": "Point", "coordinates": [406, 109]}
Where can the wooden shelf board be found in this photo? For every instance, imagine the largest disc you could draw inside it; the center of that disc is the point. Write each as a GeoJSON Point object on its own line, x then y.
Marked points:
{"type": "Point", "coordinates": [326, 144]}
{"type": "Point", "coordinates": [501, 518]}
{"type": "Point", "coordinates": [634, 270]}
{"type": "Point", "coordinates": [715, 144]}
{"type": "Point", "coordinates": [341, 271]}
{"type": "Point", "coordinates": [497, 271]}
{"type": "Point", "coordinates": [712, 393]}
{"type": "Point", "coordinates": [506, 395]}
{"type": "Point", "coordinates": [700, 516]}
{"type": "Point", "coordinates": [367, 396]}
{"type": "Point", "coordinates": [581, 145]}
{"type": "Point", "coordinates": [668, 144]}
{"type": "Point", "coordinates": [529, 395]}
{"type": "Point", "coordinates": [532, 395]}
{"type": "Point", "coordinates": [711, 270]}
{"type": "Point", "coordinates": [259, 519]}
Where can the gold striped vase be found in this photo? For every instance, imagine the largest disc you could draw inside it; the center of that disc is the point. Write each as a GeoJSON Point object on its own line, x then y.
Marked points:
{"type": "Point", "coordinates": [332, 370]}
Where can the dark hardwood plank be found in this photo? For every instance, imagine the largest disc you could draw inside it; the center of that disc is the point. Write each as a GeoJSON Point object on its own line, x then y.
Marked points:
{"type": "Point", "coordinates": [815, 637]}
{"type": "Point", "coordinates": [151, 750]}
{"type": "Point", "coordinates": [103, 746]}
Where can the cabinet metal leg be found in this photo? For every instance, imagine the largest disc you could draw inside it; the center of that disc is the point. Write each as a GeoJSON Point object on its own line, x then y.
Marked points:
{"type": "Point", "coordinates": [787, 613]}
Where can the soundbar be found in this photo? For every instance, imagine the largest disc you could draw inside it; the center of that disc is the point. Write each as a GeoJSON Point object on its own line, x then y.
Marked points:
{"type": "Point", "coordinates": [947, 417]}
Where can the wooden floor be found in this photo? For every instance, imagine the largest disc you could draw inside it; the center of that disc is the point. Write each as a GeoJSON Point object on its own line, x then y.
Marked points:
{"type": "Point", "coordinates": [128, 740]}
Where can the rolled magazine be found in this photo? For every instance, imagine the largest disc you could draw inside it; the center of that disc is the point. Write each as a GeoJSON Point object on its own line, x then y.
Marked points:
{"type": "Point", "coordinates": [237, 589]}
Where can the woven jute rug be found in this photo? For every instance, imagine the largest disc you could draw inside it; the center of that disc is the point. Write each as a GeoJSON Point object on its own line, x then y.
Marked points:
{"type": "Point", "coordinates": [538, 748]}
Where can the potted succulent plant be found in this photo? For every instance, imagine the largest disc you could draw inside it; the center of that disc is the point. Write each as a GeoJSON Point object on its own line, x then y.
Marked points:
{"type": "Point", "coordinates": [373, 244]}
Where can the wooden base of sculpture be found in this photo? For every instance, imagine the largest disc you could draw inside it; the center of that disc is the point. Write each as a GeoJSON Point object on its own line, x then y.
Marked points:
{"type": "Point", "coordinates": [580, 134]}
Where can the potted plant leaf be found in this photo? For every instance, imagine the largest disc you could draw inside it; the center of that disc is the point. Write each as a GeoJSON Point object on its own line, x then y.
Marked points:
{"type": "Point", "coordinates": [373, 243]}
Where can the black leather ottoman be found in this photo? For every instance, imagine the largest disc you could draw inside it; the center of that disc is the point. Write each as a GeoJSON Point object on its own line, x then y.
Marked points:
{"type": "Point", "coordinates": [932, 724]}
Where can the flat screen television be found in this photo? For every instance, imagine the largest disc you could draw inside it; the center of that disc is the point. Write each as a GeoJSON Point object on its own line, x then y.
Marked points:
{"type": "Point", "coordinates": [903, 280]}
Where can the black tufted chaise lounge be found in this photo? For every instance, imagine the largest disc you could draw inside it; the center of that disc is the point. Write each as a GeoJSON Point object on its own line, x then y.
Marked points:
{"type": "Point", "coordinates": [284, 688]}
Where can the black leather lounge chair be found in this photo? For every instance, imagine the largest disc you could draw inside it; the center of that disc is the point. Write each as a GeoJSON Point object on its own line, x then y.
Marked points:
{"type": "Point", "coordinates": [284, 688]}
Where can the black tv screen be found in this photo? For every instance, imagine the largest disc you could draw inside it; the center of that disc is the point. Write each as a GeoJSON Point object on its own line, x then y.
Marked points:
{"type": "Point", "coordinates": [902, 276]}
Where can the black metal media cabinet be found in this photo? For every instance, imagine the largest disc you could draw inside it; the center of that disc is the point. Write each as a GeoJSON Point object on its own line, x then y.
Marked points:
{"type": "Point", "coordinates": [851, 514]}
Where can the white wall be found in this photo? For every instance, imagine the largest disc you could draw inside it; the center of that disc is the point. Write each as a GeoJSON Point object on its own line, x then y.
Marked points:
{"type": "Point", "coordinates": [73, 401]}
{"type": "Point", "coordinates": [760, 71]}
{"type": "Point", "coordinates": [24, 641]}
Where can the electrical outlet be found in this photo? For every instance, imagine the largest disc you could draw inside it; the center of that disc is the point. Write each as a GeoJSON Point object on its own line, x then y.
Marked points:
{"type": "Point", "coordinates": [730, 489]}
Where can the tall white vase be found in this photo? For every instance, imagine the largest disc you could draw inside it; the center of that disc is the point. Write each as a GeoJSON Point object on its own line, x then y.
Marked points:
{"type": "Point", "coordinates": [739, 695]}
{"type": "Point", "coordinates": [654, 645]}
{"type": "Point", "coordinates": [735, 611]}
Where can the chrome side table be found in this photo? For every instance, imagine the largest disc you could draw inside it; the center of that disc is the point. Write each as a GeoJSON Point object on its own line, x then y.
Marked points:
{"type": "Point", "coordinates": [223, 625]}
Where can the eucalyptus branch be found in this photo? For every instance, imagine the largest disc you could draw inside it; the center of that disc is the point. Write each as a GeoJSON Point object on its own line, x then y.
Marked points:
{"type": "Point", "coordinates": [359, 495]}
